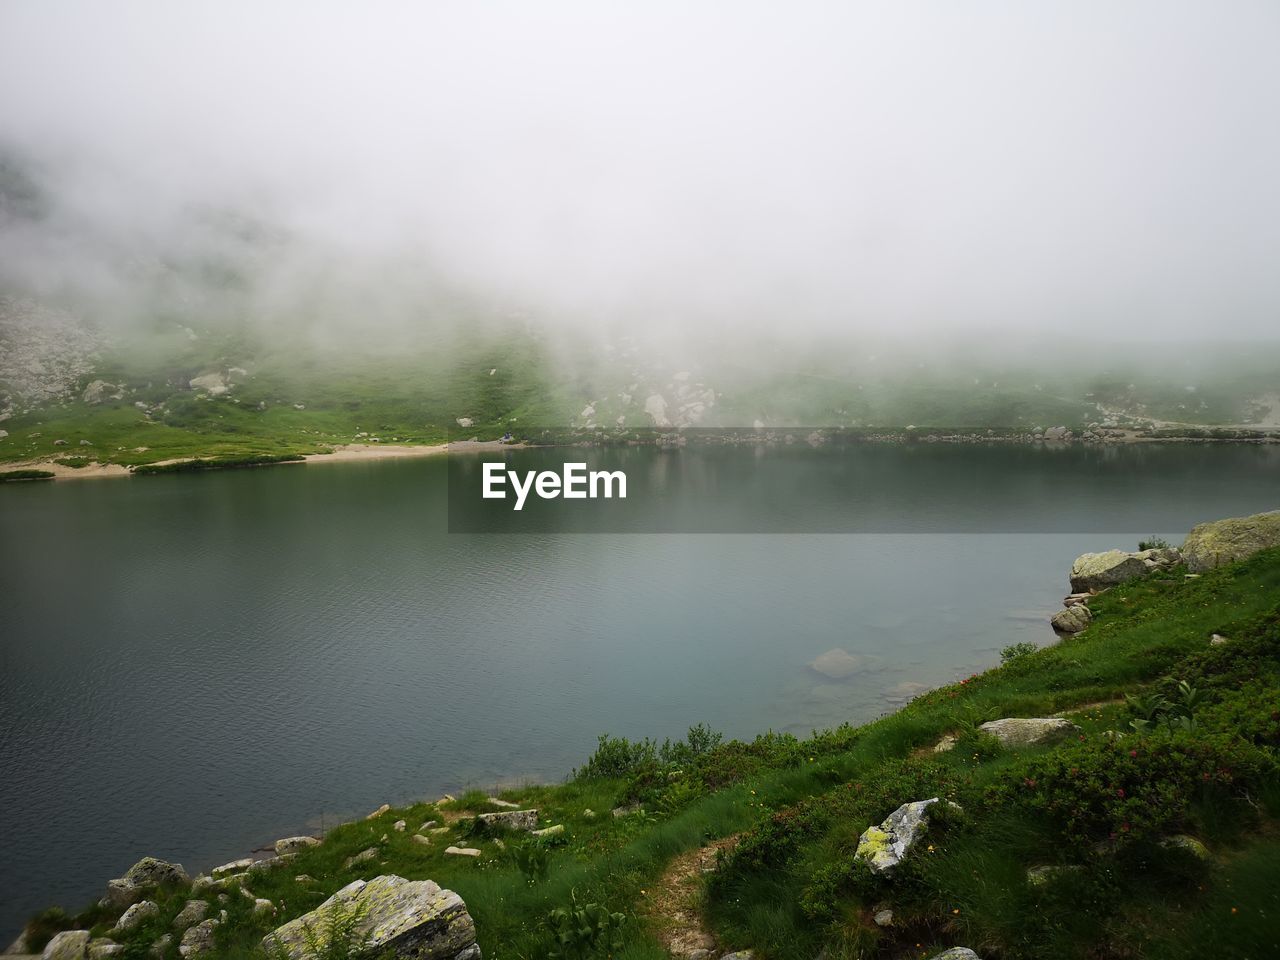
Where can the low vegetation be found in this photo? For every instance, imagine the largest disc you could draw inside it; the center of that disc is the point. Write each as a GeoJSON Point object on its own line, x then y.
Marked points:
{"type": "Point", "coordinates": [1154, 824]}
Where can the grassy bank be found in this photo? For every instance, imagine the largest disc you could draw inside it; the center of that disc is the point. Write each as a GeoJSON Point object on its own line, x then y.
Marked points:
{"type": "Point", "coordinates": [1102, 805]}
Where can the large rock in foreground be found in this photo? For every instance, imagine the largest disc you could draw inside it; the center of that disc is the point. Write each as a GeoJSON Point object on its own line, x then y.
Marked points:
{"type": "Point", "coordinates": [147, 874]}
{"type": "Point", "coordinates": [882, 848]}
{"type": "Point", "coordinates": [409, 919]}
{"type": "Point", "coordinates": [1209, 545]}
{"type": "Point", "coordinates": [1098, 571]}
{"type": "Point", "coordinates": [1030, 731]}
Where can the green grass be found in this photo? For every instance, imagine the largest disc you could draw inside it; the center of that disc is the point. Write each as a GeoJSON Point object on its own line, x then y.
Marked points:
{"type": "Point", "coordinates": [13, 476]}
{"type": "Point", "coordinates": [793, 889]}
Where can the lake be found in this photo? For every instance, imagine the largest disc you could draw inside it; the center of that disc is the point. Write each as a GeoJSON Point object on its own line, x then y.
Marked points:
{"type": "Point", "coordinates": [192, 666]}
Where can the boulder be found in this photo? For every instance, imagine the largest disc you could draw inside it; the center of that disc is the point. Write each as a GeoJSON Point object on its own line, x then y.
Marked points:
{"type": "Point", "coordinates": [144, 875]}
{"type": "Point", "coordinates": [1209, 545]}
{"type": "Point", "coordinates": [626, 811]}
{"type": "Point", "coordinates": [161, 946]}
{"type": "Point", "coordinates": [508, 820]}
{"type": "Point", "coordinates": [948, 742]}
{"type": "Point", "coordinates": [1098, 571]}
{"type": "Point", "coordinates": [198, 939]}
{"type": "Point", "coordinates": [235, 866]}
{"type": "Point", "coordinates": [364, 856]}
{"type": "Point", "coordinates": [102, 948]}
{"type": "Point", "coordinates": [883, 918]}
{"type": "Point", "coordinates": [263, 908]}
{"type": "Point", "coordinates": [1071, 619]}
{"type": "Point", "coordinates": [882, 848]}
{"type": "Point", "coordinates": [1218, 640]}
{"type": "Point", "coordinates": [1190, 844]}
{"type": "Point", "coordinates": [419, 838]}
{"type": "Point", "coordinates": [136, 914]}
{"type": "Point", "coordinates": [379, 812]}
{"type": "Point", "coordinates": [836, 664]}
{"type": "Point", "coordinates": [399, 918]}
{"type": "Point", "coordinates": [399, 826]}
{"type": "Point", "coordinates": [462, 851]}
{"type": "Point", "coordinates": [957, 953]}
{"type": "Point", "coordinates": [290, 845]}
{"type": "Point", "coordinates": [1029, 732]}
{"type": "Point", "coordinates": [191, 914]}
{"type": "Point", "coordinates": [68, 945]}
{"type": "Point", "coordinates": [552, 831]}
{"type": "Point", "coordinates": [1047, 873]}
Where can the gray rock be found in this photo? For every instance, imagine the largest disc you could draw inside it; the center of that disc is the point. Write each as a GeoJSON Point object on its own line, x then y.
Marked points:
{"type": "Point", "coordinates": [263, 908]}
{"type": "Point", "coordinates": [235, 866]}
{"type": "Point", "coordinates": [508, 820]}
{"type": "Point", "coordinates": [462, 851]}
{"type": "Point", "coordinates": [948, 742]}
{"type": "Point", "coordinates": [419, 838]}
{"type": "Point", "coordinates": [19, 945]}
{"type": "Point", "coordinates": [259, 867]}
{"type": "Point", "coordinates": [68, 945]}
{"type": "Point", "coordinates": [399, 826]}
{"type": "Point", "coordinates": [1047, 873]}
{"type": "Point", "coordinates": [364, 856]}
{"type": "Point", "coordinates": [504, 804]}
{"type": "Point", "coordinates": [957, 953]}
{"type": "Point", "coordinates": [161, 946]}
{"type": "Point", "coordinates": [144, 875]}
{"type": "Point", "coordinates": [295, 845]}
{"type": "Point", "coordinates": [1218, 640]}
{"type": "Point", "coordinates": [1190, 844]}
{"type": "Point", "coordinates": [414, 920]}
{"type": "Point", "coordinates": [379, 812]}
{"type": "Point", "coordinates": [883, 847]}
{"type": "Point", "coordinates": [1209, 545]}
{"type": "Point", "coordinates": [883, 918]}
{"type": "Point", "coordinates": [552, 831]}
{"type": "Point", "coordinates": [191, 914]}
{"type": "Point", "coordinates": [202, 883]}
{"type": "Point", "coordinates": [740, 955]}
{"type": "Point", "coordinates": [136, 914]}
{"type": "Point", "coordinates": [1098, 571]}
{"type": "Point", "coordinates": [629, 810]}
{"type": "Point", "coordinates": [1029, 732]}
{"type": "Point", "coordinates": [1071, 619]}
{"type": "Point", "coordinates": [103, 948]}
{"type": "Point", "coordinates": [198, 939]}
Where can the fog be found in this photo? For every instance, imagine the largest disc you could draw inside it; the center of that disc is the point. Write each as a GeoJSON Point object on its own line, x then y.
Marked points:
{"type": "Point", "coordinates": [1050, 170]}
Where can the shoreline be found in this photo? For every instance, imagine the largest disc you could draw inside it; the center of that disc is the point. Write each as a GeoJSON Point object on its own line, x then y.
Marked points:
{"type": "Point", "coordinates": [355, 452]}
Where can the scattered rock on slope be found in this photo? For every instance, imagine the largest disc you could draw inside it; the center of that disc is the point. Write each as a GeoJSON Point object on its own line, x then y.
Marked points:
{"type": "Point", "coordinates": [1209, 545]}
{"type": "Point", "coordinates": [144, 875]}
{"type": "Point", "coordinates": [1071, 619]}
{"type": "Point", "coordinates": [1029, 732]}
{"type": "Point", "coordinates": [1097, 571]}
{"type": "Point", "coordinates": [885, 846]}
{"type": "Point", "coordinates": [68, 945]}
{"type": "Point", "coordinates": [509, 820]}
{"type": "Point", "coordinates": [410, 919]}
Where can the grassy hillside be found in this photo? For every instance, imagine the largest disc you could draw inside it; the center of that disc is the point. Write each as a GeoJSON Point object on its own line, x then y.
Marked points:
{"type": "Point", "coordinates": [1102, 805]}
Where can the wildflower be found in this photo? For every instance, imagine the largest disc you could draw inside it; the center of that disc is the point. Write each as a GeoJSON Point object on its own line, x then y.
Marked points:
{"type": "Point", "coordinates": [1120, 792]}
{"type": "Point", "coordinates": [1133, 753]}
{"type": "Point", "coordinates": [956, 910]}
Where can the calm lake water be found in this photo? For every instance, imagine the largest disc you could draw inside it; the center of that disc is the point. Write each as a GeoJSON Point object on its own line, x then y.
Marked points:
{"type": "Point", "coordinates": [193, 666]}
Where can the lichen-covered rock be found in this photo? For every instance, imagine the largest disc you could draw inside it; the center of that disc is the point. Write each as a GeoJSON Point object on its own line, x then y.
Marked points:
{"type": "Point", "coordinates": [263, 907]}
{"type": "Point", "coordinates": [1071, 619]}
{"type": "Point", "coordinates": [364, 856]}
{"type": "Point", "coordinates": [508, 820]}
{"type": "Point", "coordinates": [1029, 732]}
{"type": "Point", "coordinates": [883, 847]}
{"type": "Point", "coordinates": [289, 845]}
{"type": "Point", "coordinates": [1209, 545]}
{"type": "Point", "coordinates": [235, 866]}
{"type": "Point", "coordinates": [144, 875]}
{"type": "Point", "coordinates": [192, 913]}
{"type": "Point", "coordinates": [198, 939]}
{"type": "Point", "coordinates": [948, 742]}
{"type": "Point", "coordinates": [1188, 843]}
{"type": "Point", "coordinates": [136, 914]}
{"type": "Point", "coordinates": [68, 945]}
{"type": "Point", "coordinates": [1047, 873]}
{"type": "Point", "coordinates": [1098, 571]}
{"type": "Point", "coordinates": [410, 919]}
{"type": "Point", "coordinates": [553, 831]}
{"type": "Point", "coordinates": [103, 948]}
{"type": "Point", "coordinates": [957, 953]}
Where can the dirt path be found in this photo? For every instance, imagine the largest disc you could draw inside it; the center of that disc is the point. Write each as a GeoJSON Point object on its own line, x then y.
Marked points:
{"type": "Point", "coordinates": [673, 908]}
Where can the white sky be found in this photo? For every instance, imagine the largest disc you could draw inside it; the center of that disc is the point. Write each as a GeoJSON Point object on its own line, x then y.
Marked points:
{"type": "Point", "coordinates": [1078, 166]}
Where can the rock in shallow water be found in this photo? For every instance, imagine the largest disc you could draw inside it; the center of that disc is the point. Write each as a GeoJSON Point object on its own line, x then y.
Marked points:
{"type": "Point", "coordinates": [409, 919]}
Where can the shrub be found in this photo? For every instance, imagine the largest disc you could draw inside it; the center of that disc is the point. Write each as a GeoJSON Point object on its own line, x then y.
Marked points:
{"type": "Point", "coordinates": [617, 757]}
{"type": "Point", "coordinates": [1016, 650]}
{"type": "Point", "coordinates": [1122, 789]}
{"type": "Point", "coordinates": [579, 932]}
{"type": "Point", "coordinates": [1154, 543]}
{"type": "Point", "coordinates": [11, 476]}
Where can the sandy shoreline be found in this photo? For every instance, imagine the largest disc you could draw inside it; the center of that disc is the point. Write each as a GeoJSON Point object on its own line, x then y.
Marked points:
{"type": "Point", "coordinates": [344, 453]}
